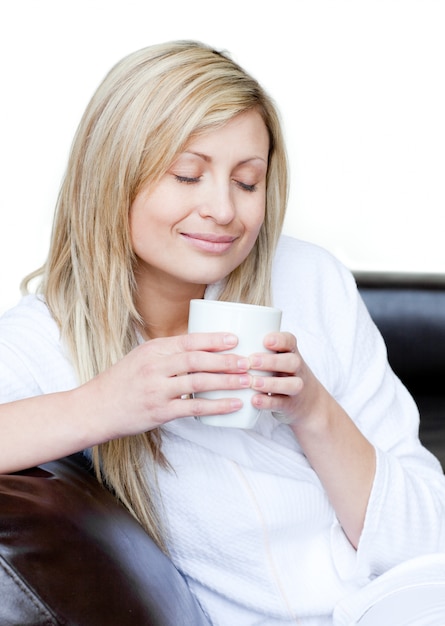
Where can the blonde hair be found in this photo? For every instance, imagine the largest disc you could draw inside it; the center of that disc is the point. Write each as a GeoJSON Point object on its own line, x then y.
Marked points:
{"type": "Point", "coordinates": [140, 118]}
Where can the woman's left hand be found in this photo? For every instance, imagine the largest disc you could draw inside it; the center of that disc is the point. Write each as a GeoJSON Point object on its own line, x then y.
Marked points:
{"type": "Point", "coordinates": [293, 392]}
{"type": "Point", "coordinates": [342, 457]}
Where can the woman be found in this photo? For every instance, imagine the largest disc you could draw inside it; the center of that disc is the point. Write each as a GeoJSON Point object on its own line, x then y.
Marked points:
{"type": "Point", "coordinates": [176, 189]}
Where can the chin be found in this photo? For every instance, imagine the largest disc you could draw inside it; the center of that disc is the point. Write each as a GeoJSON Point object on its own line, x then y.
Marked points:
{"type": "Point", "coordinates": [207, 277]}
{"type": "Point", "coordinates": [207, 280]}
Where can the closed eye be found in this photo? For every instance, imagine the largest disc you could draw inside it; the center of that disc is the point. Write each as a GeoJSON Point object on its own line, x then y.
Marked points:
{"type": "Point", "coordinates": [188, 180]}
{"type": "Point", "coordinates": [245, 186]}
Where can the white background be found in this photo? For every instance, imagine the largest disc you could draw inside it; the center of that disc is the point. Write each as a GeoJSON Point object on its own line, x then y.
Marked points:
{"type": "Point", "coordinates": [360, 85]}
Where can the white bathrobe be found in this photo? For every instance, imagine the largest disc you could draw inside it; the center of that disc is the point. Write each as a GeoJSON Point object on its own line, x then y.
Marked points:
{"type": "Point", "coordinates": [247, 520]}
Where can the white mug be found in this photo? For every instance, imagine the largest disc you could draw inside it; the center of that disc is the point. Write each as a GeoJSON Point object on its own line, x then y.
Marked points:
{"type": "Point", "coordinates": [250, 323]}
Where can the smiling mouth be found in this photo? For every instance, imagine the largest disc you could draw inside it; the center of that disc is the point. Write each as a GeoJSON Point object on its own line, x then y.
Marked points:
{"type": "Point", "coordinates": [208, 242]}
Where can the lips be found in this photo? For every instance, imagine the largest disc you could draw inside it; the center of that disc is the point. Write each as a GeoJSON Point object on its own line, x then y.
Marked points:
{"type": "Point", "coordinates": [209, 242]}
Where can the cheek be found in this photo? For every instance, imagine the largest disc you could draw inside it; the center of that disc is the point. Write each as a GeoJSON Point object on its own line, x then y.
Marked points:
{"type": "Point", "coordinates": [254, 217]}
{"type": "Point", "coordinates": [142, 229]}
{"type": "Point", "coordinates": [143, 216]}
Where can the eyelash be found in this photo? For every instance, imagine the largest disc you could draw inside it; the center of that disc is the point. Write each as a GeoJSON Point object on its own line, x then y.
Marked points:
{"type": "Point", "coordinates": [189, 181]}
{"type": "Point", "coordinates": [186, 179]}
{"type": "Point", "coordinates": [246, 187]}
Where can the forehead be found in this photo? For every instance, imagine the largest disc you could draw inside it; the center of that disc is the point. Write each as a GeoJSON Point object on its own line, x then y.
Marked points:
{"type": "Point", "coordinates": [246, 133]}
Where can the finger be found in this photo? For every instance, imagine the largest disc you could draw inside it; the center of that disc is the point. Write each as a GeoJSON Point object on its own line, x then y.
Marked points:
{"type": "Point", "coordinates": [273, 386]}
{"type": "Point", "coordinates": [199, 407]}
{"type": "Point", "coordinates": [211, 342]}
{"type": "Point", "coordinates": [192, 362]}
{"type": "Point", "coordinates": [269, 402]}
{"type": "Point", "coordinates": [283, 363]}
{"type": "Point", "coordinates": [173, 355]}
{"type": "Point", "coordinates": [202, 381]}
{"type": "Point", "coordinates": [280, 342]}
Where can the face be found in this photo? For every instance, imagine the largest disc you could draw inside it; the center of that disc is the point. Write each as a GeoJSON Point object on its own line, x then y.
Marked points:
{"type": "Point", "coordinates": [202, 219]}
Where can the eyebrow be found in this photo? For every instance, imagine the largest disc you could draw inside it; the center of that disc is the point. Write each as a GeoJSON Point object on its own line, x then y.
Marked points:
{"type": "Point", "coordinates": [205, 157]}
{"type": "Point", "coordinates": [208, 158]}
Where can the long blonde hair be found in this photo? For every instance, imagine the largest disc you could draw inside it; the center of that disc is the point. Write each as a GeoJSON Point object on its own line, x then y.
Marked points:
{"type": "Point", "coordinates": [140, 118]}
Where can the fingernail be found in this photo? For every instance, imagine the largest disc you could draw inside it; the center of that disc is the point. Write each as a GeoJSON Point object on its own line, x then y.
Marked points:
{"type": "Point", "coordinates": [236, 404]}
{"type": "Point", "coordinates": [230, 340]}
{"type": "Point", "coordinates": [257, 401]}
{"type": "Point", "coordinates": [243, 364]}
{"type": "Point", "coordinates": [258, 382]}
{"type": "Point", "coordinates": [271, 340]}
{"type": "Point", "coordinates": [244, 380]}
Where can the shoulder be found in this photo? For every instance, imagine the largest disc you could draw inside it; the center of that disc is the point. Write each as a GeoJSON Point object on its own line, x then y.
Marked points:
{"type": "Point", "coordinates": [32, 356]}
{"type": "Point", "coordinates": [320, 303]}
{"type": "Point", "coordinates": [306, 256]}
{"type": "Point", "coordinates": [303, 266]}
{"type": "Point", "coordinates": [30, 315]}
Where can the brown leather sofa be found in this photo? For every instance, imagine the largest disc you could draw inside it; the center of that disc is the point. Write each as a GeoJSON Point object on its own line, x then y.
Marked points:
{"type": "Point", "coordinates": [71, 555]}
{"type": "Point", "coordinates": [409, 310]}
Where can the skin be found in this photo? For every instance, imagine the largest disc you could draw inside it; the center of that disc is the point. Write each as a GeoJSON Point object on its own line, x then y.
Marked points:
{"type": "Point", "coordinates": [196, 225]}
{"type": "Point", "coordinates": [200, 221]}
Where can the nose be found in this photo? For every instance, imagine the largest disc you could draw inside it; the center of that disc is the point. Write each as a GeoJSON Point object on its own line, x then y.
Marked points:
{"type": "Point", "coordinates": [219, 204]}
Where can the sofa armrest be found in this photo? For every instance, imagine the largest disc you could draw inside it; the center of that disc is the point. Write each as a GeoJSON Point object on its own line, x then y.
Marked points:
{"type": "Point", "coordinates": [70, 554]}
{"type": "Point", "coordinates": [409, 310]}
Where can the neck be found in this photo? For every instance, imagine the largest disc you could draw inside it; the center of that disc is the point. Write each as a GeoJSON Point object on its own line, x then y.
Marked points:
{"type": "Point", "coordinates": [165, 310]}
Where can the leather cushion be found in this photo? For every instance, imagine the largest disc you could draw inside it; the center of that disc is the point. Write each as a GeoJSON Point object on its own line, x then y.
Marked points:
{"type": "Point", "coordinates": [70, 554]}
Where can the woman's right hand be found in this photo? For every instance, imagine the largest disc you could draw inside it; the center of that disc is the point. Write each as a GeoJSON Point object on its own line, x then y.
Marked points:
{"type": "Point", "coordinates": [154, 383]}
{"type": "Point", "coordinates": [143, 390]}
